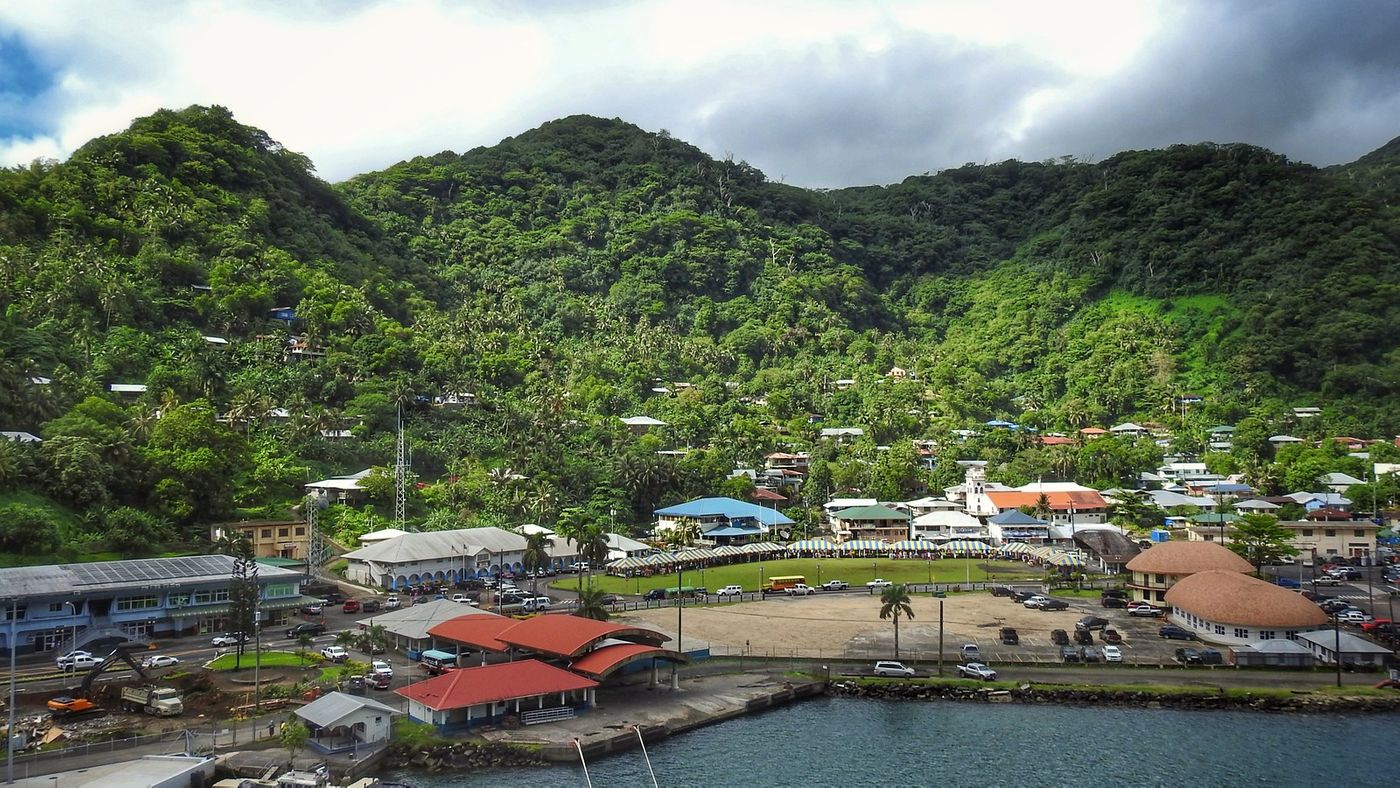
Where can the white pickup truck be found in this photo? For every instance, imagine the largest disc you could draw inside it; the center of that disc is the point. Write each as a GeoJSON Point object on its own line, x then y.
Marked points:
{"type": "Point", "coordinates": [800, 589]}
{"type": "Point", "coordinates": [976, 670]}
{"type": "Point", "coordinates": [835, 585]}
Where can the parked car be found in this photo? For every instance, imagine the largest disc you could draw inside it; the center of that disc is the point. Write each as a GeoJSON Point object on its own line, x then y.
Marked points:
{"type": "Point", "coordinates": [1145, 611]}
{"type": "Point", "coordinates": [1069, 654]}
{"type": "Point", "coordinates": [350, 606]}
{"type": "Point", "coordinates": [160, 661]}
{"type": "Point", "coordinates": [1036, 601]}
{"type": "Point", "coordinates": [314, 609]}
{"type": "Point", "coordinates": [1112, 654]}
{"type": "Point", "coordinates": [228, 639]}
{"type": "Point", "coordinates": [1210, 656]}
{"type": "Point", "coordinates": [1353, 616]}
{"type": "Point", "coordinates": [1287, 582]}
{"type": "Point", "coordinates": [379, 682]}
{"type": "Point", "coordinates": [1010, 637]}
{"type": "Point", "coordinates": [1173, 632]}
{"type": "Point", "coordinates": [1003, 591]}
{"type": "Point", "coordinates": [1327, 581]}
{"type": "Point", "coordinates": [1091, 622]}
{"type": "Point", "coordinates": [379, 667]}
{"type": "Point", "coordinates": [461, 599]}
{"type": "Point", "coordinates": [307, 628]}
{"type": "Point", "coordinates": [1059, 637]}
{"type": "Point", "coordinates": [1188, 656]}
{"type": "Point", "coordinates": [890, 668]}
{"type": "Point", "coordinates": [835, 585]}
{"type": "Point", "coordinates": [1054, 604]}
{"type": "Point", "coordinates": [1084, 637]}
{"type": "Point", "coordinates": [970, 652]}
{"type": "Point", "coordinates": [1113, 601]}
{"type": "Point", "coordinates": [730, 591]}
{"type": "Point", "coordinates": [333, 598]}
{"type": "Point", "coordinates": [1333, 605]}
{"type": "Point", "coordinates": [1111, 636]}
{"type": "Point", "coordinates": [1374, 624]}
{"type": "Point", "coordinates": [422, 600]}
{"type": "Point", "coordinates": [369, 605]}
{"type": "Point", "coordinates": [1115, 593]}
{"type": "Point", "coordinates": [392, 603]}
{"type": "Point", "coordinates": [976, 670]}
{"type": "Point", "coordinates": [800, 589]}
{"type": "Point", "coordinates": [335, 653]}
{"type": "Point", "coordinates": [1022, 596]}
{"type": "Point", "coordinates": [536, 604]}
{"type": "Point", "coordinates": [655, 594]}
{"type": "Point", "coordinates": [879, 582]}
{"type": "Point", "coordinates": [1088, 654]}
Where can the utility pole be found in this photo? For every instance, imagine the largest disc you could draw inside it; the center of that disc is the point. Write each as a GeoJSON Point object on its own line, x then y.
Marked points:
{"type": "Point", "coordinates": [400, 478]}
{"type": "Point", "coordinates": [10, 737]}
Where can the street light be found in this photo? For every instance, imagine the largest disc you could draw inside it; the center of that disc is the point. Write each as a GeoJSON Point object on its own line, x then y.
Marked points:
{"type": "Point", "coordinates": [75, 623]}
{"type": "Point", "coordinates": [10, 731]}
{"type": "Point", "coordinates": [819, 574]}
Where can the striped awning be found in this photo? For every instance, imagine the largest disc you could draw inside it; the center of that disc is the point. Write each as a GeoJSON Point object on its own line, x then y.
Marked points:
{"type": "Point", "coordinates": [628, 563]}
{"type": "Point", "coordinates": [1067, 559]}
{"type": "Point", "coordinates": [695, 554]}
{"type": "Point", "coordinates": [965, 546]}
{"type": "Point", "coordinates": [769, 547]}
{"type": "Point", "coordinates": [660, 559]}
{"type": "Point", "coordinates": [727, 550]}
{"type": "Point", "coordinates": [811, 546]}
{"type": "Point", "coordinates": [914, 546]}
{"type": "Point", "coordinates": [1015, 548]}
{"type": "Point", "coordinates": [858, 545]}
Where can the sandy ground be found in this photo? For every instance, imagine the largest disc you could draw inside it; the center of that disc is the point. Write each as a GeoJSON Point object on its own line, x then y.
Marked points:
{"type": "Point", "coordinates": [850, 624]}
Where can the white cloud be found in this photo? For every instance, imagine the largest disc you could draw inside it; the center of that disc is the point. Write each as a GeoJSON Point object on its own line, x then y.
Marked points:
{"type": "Point", "coordinates": [357, 87]}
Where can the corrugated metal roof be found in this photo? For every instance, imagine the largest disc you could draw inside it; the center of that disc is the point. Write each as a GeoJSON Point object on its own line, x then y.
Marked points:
{"type": "Point", "coordinates": [331, 708]}
{"type": "Point", "coordinates": [527, 678]}
{"type": "Point", "coordinates": [432, 545]}
{"type": "Point", "coordinates": [724, 507]}
{"type": "Point", "coordinates": [135, 573]}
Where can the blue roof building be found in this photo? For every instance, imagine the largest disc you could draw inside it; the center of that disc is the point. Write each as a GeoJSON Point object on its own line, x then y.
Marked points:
{"type": "Point", "coordinates": [723, 520]}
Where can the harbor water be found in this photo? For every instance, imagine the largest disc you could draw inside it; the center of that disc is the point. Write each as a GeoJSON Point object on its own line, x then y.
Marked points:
{"type": "Point", "coordinates": [848, 742]}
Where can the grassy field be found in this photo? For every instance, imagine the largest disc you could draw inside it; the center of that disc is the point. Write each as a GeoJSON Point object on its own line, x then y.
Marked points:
{"type": "Point", "coordinates": [856, 571]}
{"type": "Point", "coordinates": [270, 659]}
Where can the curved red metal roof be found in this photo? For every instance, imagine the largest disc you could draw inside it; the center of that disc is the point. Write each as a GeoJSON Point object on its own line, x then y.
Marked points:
{"type": "Point", "coordinates": [527, 678]}
{"type": "Point", "coordinates": [569, 636]}
{"type": "Point", "coordinates": [478, 631]}
{"type": "Point", "coordinates": [601, 662]}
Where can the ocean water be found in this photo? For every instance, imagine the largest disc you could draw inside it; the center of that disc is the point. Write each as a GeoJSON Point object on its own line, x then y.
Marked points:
{"type": "Point", "coordinates": [853, 742]}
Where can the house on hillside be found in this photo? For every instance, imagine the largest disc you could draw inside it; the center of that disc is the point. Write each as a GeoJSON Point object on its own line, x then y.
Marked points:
{"type": "Point", "coordinates": [1331, 532]}
{"type": "Point", "coordinates": [341, 489]}
{"type": "Point", "coordinates": [641, 425]}
{"type": "Point", "coordinates": [1339, 482]}
{"type": "Point", "coordinates": [721, 520]}
{"type": "Point", "coordinates": [870, 522]}
{"type": "Point", "coordinates": [1128, 430]}
{"type": "Point", "coordinates": [1321, 500]}
{"type": "Point", "coordinates": [842, 434]}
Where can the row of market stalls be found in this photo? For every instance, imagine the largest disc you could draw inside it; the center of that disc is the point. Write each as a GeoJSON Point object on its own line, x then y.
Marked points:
{"type": "Point", "coordinates": [857, 548]}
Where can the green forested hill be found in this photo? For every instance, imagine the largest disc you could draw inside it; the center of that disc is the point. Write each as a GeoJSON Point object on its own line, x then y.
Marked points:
{"type": "Point", "coordinates": [562, 275]}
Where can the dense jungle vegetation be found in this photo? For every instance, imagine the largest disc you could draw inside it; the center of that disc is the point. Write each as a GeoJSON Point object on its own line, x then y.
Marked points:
{"type": "Point", "coordinates": [563, 275]}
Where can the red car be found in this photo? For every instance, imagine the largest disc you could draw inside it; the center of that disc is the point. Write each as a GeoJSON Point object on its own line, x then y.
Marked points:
{"type": "Point", "coordinates": [1370, 626]}
{"type": "Point", "coordinates": [350, 606]}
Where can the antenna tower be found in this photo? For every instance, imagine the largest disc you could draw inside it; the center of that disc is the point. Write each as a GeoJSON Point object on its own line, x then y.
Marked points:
{"type": "Point", "coordinates": [400, 478]}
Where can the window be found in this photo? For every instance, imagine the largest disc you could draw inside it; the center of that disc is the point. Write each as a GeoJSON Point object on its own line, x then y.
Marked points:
{"type": "Point", "coordinates": [284, 532]}
{"type": "Point", "coordinates": [15, 612]}
{"type": "Point", "coordinates": [209, 596]}
{"type": "Point", "coordinates": [1241, 633]}
{"type": "Point", "coordinates": [1267, 634]}
{"type": "Point", "coordinates": [301, 530]}
{"type": "Point", "coordinates": [1292, 634]}
{"type": "Point", "coordinates": [55, 607]}
{"type": "Point", "coordinates": [1161, 578]}
{"type": "Point", "coordinates": [178, 600]}
{"type": "Point", "coordinates": [138, 602]}
{"type": "Point", "coordinates": [1219, 629]}
{"type": "Point", "coordinates": [267, 533]}
{"type": "Point", "coordinates": [274, 592]}
{"type": "Point", "coordinates": [1330, 532]}
{"type": "Point", "coordinates": [1359, 532]}
{"type": "Point", "coordinates": [1307, 532]}
{"type": "Point", "coordinates": [248, 532]}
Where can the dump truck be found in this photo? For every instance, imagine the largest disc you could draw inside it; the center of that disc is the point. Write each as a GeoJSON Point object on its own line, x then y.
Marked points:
{"type": "Point", "coordinates": [155, 701]}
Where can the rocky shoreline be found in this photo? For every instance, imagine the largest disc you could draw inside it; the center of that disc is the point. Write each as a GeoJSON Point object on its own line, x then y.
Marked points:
{"type": "Point", "coordinates": [1151, 699]}
{"type": "Point", "coordinates": [460, 755]}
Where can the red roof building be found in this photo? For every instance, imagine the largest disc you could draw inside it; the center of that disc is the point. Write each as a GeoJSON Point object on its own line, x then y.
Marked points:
{"type": "Point", "coordinates": [571, 636]}
{"type": "Point", "coordinates": [473, 696]}
{"type": "Point", "coordinates": [1078, 501]}
{"type": "Point", "coordinates": [603, 662]}
{"type": "Point", "coordinates": [477, 631]}
{"type": "Point", "coordinates": [1055, 440]}
{"type": "Point", "coordinates": [761, 495]}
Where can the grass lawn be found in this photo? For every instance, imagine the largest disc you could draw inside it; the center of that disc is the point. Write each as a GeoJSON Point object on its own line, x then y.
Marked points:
{"type": "Point", "coordinates": [856, 571]}
{"type": "Point", "coordinates": [270, 659]}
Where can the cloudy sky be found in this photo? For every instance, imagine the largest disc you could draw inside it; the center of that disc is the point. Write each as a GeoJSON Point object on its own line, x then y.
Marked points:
{"type": "Point", "coordinates": [814, 93]}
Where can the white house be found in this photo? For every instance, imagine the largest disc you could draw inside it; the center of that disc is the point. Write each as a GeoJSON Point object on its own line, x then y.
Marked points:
{"type": "Point", "coordinates": [1355, 650]}
{"type": "Point", "coordinates": [345, 723]}
{"type": "Point", "coordinates": [436, 557]}
{"type": "Point", "coordinates": [945, 525]}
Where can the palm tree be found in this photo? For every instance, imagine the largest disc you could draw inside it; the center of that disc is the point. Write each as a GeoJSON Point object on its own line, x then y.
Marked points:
{"type": "Point", "coordinates": [304, 641]}
{"type": "Point", "coordinates": [536, 556]}
{"type": "Point", "coordinates": [894, 602]}
{"type": "Point", "coordinates": [593, 547]}
{"type": "Point", "coordinates": [592, 604]}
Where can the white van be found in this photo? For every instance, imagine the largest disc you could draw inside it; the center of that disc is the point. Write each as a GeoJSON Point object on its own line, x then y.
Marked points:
{"type": "Point", "coordinates": [536, 604]}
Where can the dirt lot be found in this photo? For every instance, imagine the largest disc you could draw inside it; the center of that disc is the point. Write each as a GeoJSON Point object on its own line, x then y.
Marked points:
{"type": "Point", "coordinates": [849, 625]}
